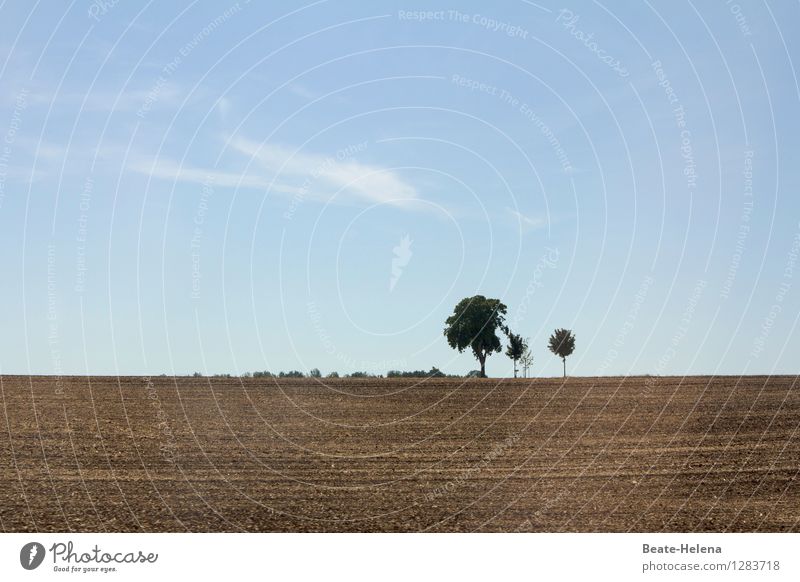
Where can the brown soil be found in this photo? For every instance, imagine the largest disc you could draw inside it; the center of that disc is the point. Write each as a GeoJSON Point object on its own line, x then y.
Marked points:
{"type": "Point", "coordinates": [586, 454]}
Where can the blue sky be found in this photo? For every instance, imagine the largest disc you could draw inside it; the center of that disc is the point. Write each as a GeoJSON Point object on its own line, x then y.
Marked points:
{"type": "Point", "coordinates": [231, 187]}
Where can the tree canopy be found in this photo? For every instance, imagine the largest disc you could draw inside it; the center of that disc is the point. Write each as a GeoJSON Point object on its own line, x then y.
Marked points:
{"type": "Point", "coordinates": [562, 344]}
{"type": "Point", "coordinates": [517, 346]}
{"type": "Point", "coordinates": [474, 325]}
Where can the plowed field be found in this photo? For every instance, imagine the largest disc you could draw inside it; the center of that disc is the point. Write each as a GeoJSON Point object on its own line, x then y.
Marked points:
{"type": "Point", "coordinates": [582, 454]}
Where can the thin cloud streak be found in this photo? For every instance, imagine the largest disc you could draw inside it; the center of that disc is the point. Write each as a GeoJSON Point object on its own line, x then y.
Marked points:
{"type": "Point", "coordinates": [352, 179]}
{"type": "Point", "coordinates": [528, 222]}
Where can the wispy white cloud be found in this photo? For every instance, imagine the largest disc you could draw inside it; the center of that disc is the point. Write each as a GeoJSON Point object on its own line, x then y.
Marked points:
{"type": "Point", "coordinates": [282, 170]}
{"type": "Point", "coordinates": [346, 178]}
{"type": "Point", "coordinates": [527, 222]}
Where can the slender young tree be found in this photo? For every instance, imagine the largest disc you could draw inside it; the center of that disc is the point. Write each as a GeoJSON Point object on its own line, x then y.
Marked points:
{"type": "Point", "coordinates": [516, 347]}
{"type": "Point", "coordinates": [526, 361]}
{"type": "Point", "coordinates": [474, 325]}
{"type": "Point", "coordinates": [562, 344]}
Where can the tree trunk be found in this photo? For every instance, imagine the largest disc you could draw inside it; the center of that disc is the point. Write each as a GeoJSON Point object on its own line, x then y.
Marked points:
{"type": "Point", "coordinates": [564, 360]}
{"type": "Point", "coordinates": [515, 368]}
{"type": "Point", "coordinates": [482, 359]}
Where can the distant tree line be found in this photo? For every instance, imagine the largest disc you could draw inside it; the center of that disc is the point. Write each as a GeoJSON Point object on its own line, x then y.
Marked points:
{"type": "Point", "coordinates": [434, 372]}
{"type": "Point", "coordinates": [473, 325]}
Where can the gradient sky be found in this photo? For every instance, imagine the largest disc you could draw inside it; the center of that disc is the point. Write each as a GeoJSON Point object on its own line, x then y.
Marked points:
{"type": "Point", "coordinates": [231, 187]}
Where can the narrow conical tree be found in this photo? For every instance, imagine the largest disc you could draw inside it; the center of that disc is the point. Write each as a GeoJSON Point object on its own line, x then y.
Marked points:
{"type": "Point", "coordinates": [562, 344]}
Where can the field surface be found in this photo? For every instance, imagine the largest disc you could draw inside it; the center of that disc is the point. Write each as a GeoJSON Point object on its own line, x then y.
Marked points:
{"type": "Point", "coordinates": [585, 454]}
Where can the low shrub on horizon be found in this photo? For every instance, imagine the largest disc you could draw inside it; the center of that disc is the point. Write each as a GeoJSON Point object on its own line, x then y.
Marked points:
{"type": "Point", "coordinates": [433, 373]}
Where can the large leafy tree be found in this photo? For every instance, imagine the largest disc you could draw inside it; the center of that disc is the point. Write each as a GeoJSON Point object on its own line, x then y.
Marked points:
{"type": "Point", "coordinates": [562, 344]}
{"type": "Point", "coordinates": [474, 325]}
{"type": "Point", "coordinates": [516, 347]}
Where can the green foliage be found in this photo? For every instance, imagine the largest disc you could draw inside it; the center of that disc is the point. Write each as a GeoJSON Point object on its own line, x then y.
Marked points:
{"type": "Point", "coordinates": [516, 347]}
{"type": "Point", "coordinates": [292, 374]}
{"type": "Point", "coordinates": [333, 375]}
{"type": "Point", "coordinates": [264, 374]}
{"type": "Point", "coordinates": [434, 373]}
{"type": "Point", "coordinates": [315, 373]}
{"type": "Point", "coordinates": [562, 344]}
{"type": "Point", "coordinates": [474, 325]}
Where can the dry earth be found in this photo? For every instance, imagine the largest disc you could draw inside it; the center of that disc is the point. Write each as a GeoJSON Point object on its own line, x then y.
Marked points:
{"type": "Point", "coordinates": [586, 454]}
